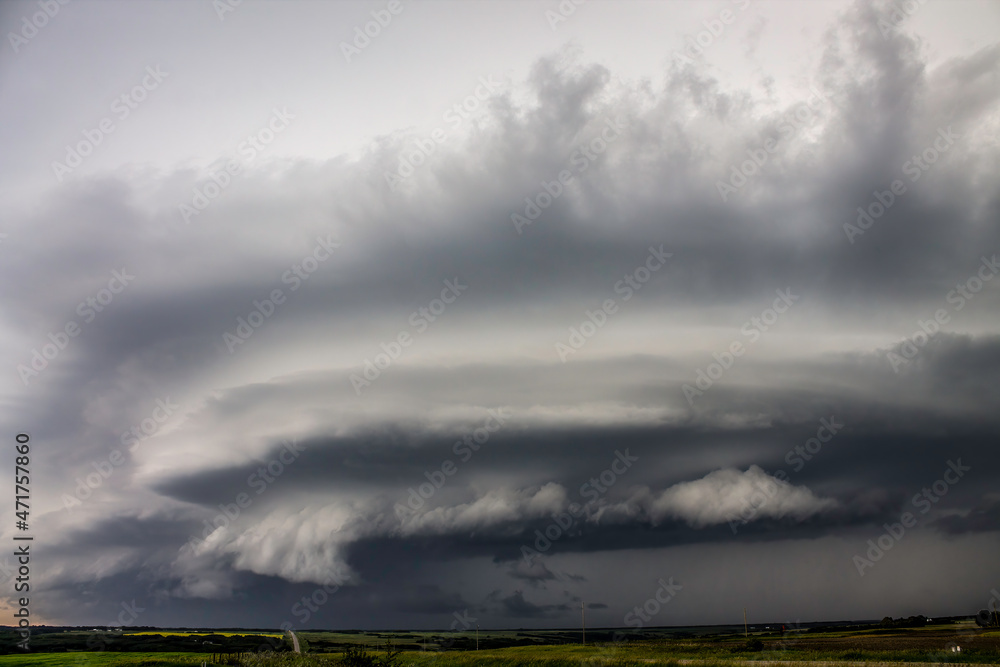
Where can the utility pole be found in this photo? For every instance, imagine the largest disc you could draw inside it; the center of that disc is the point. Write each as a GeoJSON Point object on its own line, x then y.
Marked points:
{"type": "Point", "coordinates": [746, 633]}
{"type": "Point", "coordinates": [583, 621]}
{"type": "Point", "coordinates": [477, 636]}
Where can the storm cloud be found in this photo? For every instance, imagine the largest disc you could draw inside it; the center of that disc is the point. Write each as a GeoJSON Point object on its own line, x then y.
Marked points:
{"type": "Point", "coordinates": [486, 330]}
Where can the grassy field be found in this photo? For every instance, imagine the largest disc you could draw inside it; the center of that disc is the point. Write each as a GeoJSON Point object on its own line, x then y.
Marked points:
{"type": "Point", "coordinates": [201, 633]}
{"type": "Point", "coordinates": [674, 647]}
{"type": "Point", "coordinates": [144, 641]}
{"type": "Point", "coordinates": [83, 659]}
{"type": "Point", "coordinates": [931, 643]}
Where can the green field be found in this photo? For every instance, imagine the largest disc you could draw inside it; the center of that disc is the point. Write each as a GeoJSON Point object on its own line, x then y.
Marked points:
{"type": "Point", "coordinates": [104, 659]}
{"type": "Point", "coordinates": [676, 647]}
{"type": "Point", "coordinates": [205, 633]}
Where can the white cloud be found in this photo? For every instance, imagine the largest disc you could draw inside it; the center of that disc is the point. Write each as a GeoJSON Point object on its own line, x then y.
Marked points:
{"type": "Point", "coordinates": [724, 495]}
{"type": "Point", "coordinates": [495, 507]}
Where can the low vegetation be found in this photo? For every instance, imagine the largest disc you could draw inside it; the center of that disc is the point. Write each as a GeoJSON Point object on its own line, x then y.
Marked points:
{"type": "Point", "coordinates": [902, 641]}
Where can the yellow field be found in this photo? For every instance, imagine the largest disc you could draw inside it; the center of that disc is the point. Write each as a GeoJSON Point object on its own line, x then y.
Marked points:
{"type": "Point", "coordinates": [165, 633]}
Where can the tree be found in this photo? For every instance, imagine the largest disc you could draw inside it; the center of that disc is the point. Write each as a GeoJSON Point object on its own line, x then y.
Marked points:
{"type": "Point", "coordinates": [357, 656]}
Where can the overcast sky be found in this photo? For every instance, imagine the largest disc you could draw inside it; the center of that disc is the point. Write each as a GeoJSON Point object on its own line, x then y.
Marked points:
{"type": "Point", "coordinates": [491, 309]}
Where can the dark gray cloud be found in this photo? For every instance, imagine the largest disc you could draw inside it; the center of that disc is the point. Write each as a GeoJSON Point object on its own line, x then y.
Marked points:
{"type": "Point", "coordinates": [412, 498]}
{"type": "Point", "coordinates": [515, 606]}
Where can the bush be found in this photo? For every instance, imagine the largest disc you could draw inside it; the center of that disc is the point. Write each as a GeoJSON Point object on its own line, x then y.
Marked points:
{"type": "Point", "coordinates": [272, 659]}
{"type": "Point", "coordinates": [357, 656]}
{"type": "Point", "coordinates": [752, 646]}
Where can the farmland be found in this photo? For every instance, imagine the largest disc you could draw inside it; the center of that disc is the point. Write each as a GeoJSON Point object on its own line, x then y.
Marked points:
{"type": "Point", "coordinates": [959, 642]}
{"type": "Point", "coordinates": [182, 633]}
